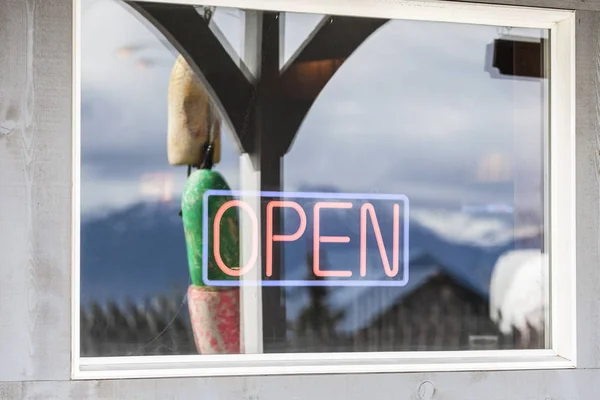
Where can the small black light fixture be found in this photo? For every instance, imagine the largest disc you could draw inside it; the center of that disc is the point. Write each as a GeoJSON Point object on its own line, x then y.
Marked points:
{"type": "Point", "coordinates": [511, 57]}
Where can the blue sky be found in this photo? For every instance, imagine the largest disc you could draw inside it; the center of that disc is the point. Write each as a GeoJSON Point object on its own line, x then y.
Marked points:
{"type": "Point", "coordinates": [412, 111]}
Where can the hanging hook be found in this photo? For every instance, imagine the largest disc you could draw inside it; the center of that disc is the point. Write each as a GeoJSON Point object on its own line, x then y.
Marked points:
{"type": "Point", "coordinates": [207, 162]}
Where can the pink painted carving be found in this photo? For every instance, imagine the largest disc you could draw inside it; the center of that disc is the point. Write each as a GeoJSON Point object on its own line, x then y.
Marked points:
{"type": "Point", "coordinates": [215, 316]}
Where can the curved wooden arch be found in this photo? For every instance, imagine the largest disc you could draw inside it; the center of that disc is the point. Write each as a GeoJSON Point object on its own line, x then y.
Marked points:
{"type": "Point", "coordinates": [191, 36]}
{"type": "Point", "coordinates": [239, 95]}
{"type": "Point", "coordinates": [264, 110]}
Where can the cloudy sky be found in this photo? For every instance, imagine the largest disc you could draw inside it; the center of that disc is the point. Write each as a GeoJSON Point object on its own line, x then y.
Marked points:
{"type": "Point", "coordinates": [413, 111]}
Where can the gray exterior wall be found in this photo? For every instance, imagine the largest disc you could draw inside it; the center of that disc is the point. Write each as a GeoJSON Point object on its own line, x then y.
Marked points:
{"type": "Point", "coordinates": [35, 241]}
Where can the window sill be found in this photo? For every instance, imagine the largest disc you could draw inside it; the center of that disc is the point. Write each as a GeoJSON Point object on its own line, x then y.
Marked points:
{"type": "Point", "coordinates": [324, 363]}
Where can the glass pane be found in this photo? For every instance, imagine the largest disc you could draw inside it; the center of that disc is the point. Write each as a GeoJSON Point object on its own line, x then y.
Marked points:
{"type": "Point", "coordinates": [384, 191]}
{"type": "Point", "coordinates": [133, 253]}
{"type": "Point", "coordinates": [297, 27]}
{"type": "Point", "coordinates": [227, 24]}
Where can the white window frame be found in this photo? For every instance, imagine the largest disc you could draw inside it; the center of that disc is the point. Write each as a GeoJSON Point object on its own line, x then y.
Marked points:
{"type": "Point", "coordinates": [563, 347]}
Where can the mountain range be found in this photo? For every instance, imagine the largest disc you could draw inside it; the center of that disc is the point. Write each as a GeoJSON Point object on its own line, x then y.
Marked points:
{"type": "Point", "coordinates": [139, 252]}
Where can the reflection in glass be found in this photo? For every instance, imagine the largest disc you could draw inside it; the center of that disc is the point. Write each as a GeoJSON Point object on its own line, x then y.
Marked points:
{"type": "Point", "coordinates": [343, 105]}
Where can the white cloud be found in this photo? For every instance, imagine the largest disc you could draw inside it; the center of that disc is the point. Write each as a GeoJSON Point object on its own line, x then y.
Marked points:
{"type": "Point", "coordinates": [415, 104]}
{"type": "Point", "coordinates": [122, 103]}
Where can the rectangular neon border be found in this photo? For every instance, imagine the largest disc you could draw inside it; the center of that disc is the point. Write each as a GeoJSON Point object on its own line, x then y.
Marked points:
{"type": "Point", "coordinates": [305, 195]}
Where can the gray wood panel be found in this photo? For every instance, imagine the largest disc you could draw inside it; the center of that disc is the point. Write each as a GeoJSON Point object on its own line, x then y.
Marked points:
{"type": "Point", "coordinates": [35, 188]}
{"type": "Point", "coordinates": [35, 237]}
{"type": "Point", "coordinates": [586, 5]}
{"type": "Point", "coordinates": [591, 5]}
{"type": "Point", "coordinates": [506, 385]}
{"type": "Point", "coordinates": [588, 188]}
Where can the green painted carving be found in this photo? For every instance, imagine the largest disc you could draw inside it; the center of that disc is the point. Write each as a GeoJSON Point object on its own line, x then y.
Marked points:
{"type": "Point", "coordinates": [197, 184]}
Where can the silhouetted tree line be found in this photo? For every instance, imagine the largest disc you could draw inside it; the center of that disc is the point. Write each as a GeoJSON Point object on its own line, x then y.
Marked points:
{"type": "Point", "coordinates": [439, 315]}
{"type": "Point", "coordinates": [157, 327]}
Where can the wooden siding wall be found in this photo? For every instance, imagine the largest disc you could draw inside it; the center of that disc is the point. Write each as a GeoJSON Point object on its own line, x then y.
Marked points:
{"type": "Point", "coordinates": [35, 241]}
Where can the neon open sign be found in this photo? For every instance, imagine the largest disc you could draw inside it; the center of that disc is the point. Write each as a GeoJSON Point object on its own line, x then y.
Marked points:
{"type": "Point", "coordinates": [392, 252]}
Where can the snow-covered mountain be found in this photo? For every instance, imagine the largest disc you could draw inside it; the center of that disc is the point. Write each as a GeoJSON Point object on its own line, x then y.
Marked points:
{"type": "Point", "coordinates": [140, 252]}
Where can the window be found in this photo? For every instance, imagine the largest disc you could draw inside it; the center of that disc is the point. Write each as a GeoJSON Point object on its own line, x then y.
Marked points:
{"type": "Point", "coordinates": [305, 186]}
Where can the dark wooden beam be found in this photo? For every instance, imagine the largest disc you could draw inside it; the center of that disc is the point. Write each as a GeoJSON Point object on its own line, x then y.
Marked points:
{"type": "Point", "coordinates": [284, 98]}
{"type": "Point", "coordinates": [268, 142]}
{"type": "Point", "coordinates": [190, 34]}
{"type": "Point", "coordinates": [313, 65]}
{"type": "Point", "coordinates": [336, 37]}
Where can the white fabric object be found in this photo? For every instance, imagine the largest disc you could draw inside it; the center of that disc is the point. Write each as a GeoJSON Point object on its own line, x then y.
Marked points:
{"type": "Point", "coordinates": [518, 291]}
{"type": "Point", "coordinates": [191, 117]}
